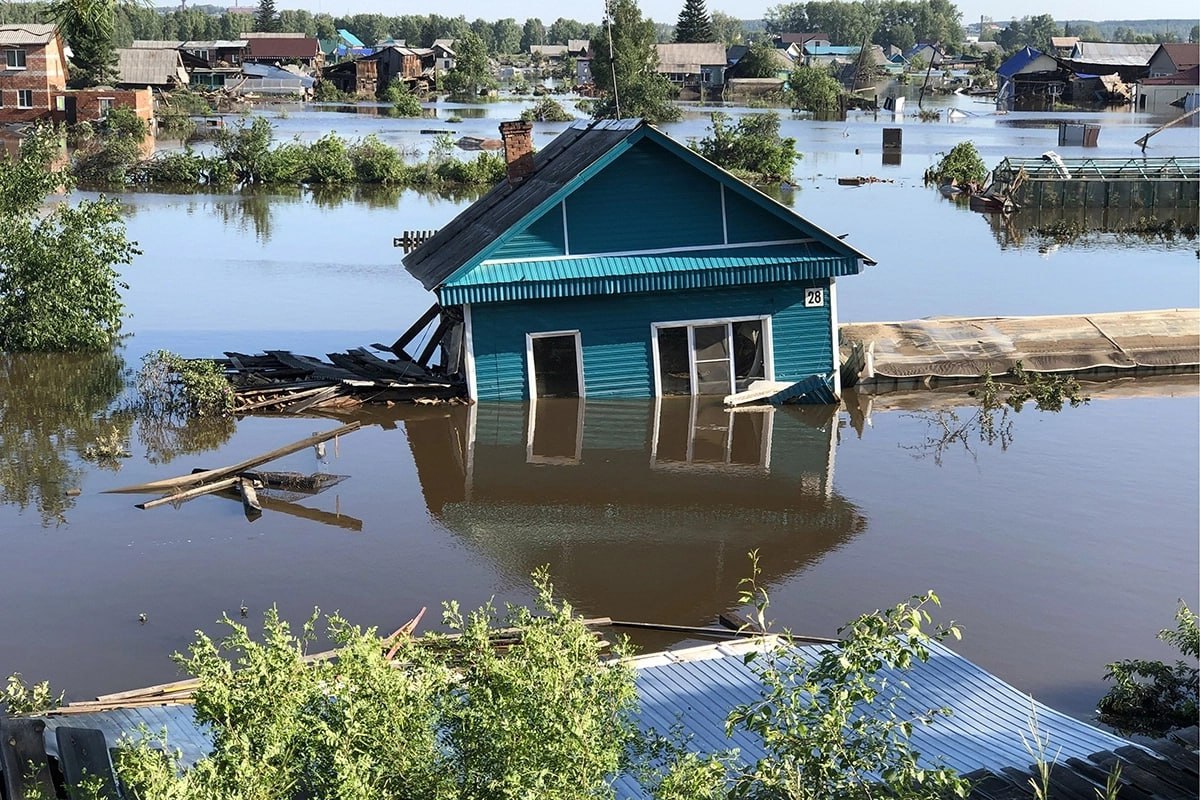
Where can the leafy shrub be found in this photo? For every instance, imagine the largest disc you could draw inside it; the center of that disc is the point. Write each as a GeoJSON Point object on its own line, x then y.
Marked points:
{"type": "Point", "coordinates": [168, 384]}
{"type": "Point", "coordinates": [375, 162]}
{"type": "Point", "coordinates": [18, 698]}
{"type": "Point", "coordinates": [126, 122]}
{"type": "Point", "coordinates": [1151, 696]}
{"type": "Point", "coordinates": [962, 166]}
{"type": "Point", "coordinates": [59, 286]}
{"type": "Point", "coordinates": [485, 169]}
{"type": "Point", "coordinates": [752, 148]}
{"type": "Point", "coordinates": [437, 717]}
{"type": "Point", "coordinates": [402, 99]}
{"type": "Point", "coordinates": [326, 92]}
{"type": "Point", "coordinates": [813, 89]}
{"type": "Point", "coordinates": [329, 161]}
{"type": "Point", "coordinates": [546, 110]}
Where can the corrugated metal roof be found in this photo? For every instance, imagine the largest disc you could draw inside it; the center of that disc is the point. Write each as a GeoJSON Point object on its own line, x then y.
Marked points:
{"type": "Point", "coordinates": [1116, 54]}
{"type": "Point", "coordinates": [283, 47]}
{"type": "Point", "coordinates": [150, 67]}
{"type": "Point", "coordinates": [548, 50]}
{"type": "Point", "coordinates": [693, 55]}
{"type": "Point", "coordinates": [156, 44]}
{"type": "Point", "coordinates": [539, 279]}
{"type": "Point", "coordinates": [349, 38]}
{"type": "Point", "coordinates": [987, 728]}
{"type": "Point", "coordinates": [28, 33]}
{"type": "Point", "coordinates": [561, 167]}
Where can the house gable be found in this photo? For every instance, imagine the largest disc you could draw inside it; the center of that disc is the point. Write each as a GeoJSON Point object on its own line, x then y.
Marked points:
{"type": "Point", "coordinates": [611, 209]}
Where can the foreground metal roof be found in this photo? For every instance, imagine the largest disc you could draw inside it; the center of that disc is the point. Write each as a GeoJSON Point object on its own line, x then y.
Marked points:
{"type": "Point", "coordinates": [988, 727]}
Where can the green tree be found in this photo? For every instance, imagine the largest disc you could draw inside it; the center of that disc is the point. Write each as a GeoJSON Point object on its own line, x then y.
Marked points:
{"type": "Point", "coordinates": [759, 61]}
{"type": "Point", "coordinates": [752, 149]}
{"type": "Point", "coordinates": [563, 30]}
{"type": "Point", "coordinates": [813, 89]}
{"type": "Point", "coordinates": [787, 18]}
{"type": "Point", "coordinates": [533, 33]}
{"type": "Point", "coordinates": [59, 286]}
{"type": "Point", "coordinates": [88, 26]}
{"type": "Point", "coordinates": [728, 29]}
{"type": "Point", "coordinates": [507, 35]}
{"type": "Point", "coordinates": [471, 70]}
{"type": "Point", "coordinates": [266, 18]}
{"type": "Point", "coordinates": [626, 74]}
{"type": "Point", "coordinates": [694, 24]}
{"type": "Point", "coordinates": [1194, 34]}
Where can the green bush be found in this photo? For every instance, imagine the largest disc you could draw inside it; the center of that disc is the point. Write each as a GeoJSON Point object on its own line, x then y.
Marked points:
{"type": "Point", "coordinates": [962, 166]}
{"type": "Point", "coordinates": [168, 384]}
{"type": "Point", "coordinates": [375, 162]}
{"type": "Point", "coordinates": [546, 110]}
{"type": "Point", "coordinates": [813, 89]}
{"type": "Point", "coordinates": [486, 169]}
{"type": "Point", "coordinates": [402, 99]}
{"type": "Point", "coordinates": [125, 122]}
{"type": "Point", "coordinates": [1151, 696]}
{"type": "Point", "coordinates": [752, 149]}
{"type": "Point", "coordinates": [329, 161]}
{"type": "Point", "coordinates": [326, 92]}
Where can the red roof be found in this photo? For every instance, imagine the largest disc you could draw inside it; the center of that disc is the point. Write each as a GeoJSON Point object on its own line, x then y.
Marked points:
{"type": "Point", "coordinates": [1183, 55]}
{"type": "Point", "coordinates": [1187, 77]}
{"type": "Point", "coordinates": [283, 47]}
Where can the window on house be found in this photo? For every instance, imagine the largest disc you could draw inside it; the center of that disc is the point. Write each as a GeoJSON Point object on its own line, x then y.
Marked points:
{"type": "Point", "coordinates": [718, 357]}
{"type": "Point", "coordinates": [60, 103]}
{"type": "Point", "coordinates": [24, 98]}
{"type": "Point", "coordinates": [105, 105]}
{"type": "Point", "coordinates": [14, 59]}
{"type": "Point", "coordinates": [555, 364]}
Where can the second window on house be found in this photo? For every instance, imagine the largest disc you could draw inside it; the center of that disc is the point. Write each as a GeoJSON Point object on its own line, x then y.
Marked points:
{"type": "Point", "coordinates": [14, 59]}
{"type": "Point", "coordinates": [711, 356]}
{"type": "Point", "coordinates": [24, 98]}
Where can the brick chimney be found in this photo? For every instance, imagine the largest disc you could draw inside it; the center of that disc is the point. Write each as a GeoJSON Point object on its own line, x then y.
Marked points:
{"type": "Point", "coordinates": [518, 149]}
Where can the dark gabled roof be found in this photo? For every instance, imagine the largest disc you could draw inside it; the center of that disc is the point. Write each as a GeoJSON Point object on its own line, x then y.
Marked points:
{"type": "Point", "coordinates": [283, 47]}
{"type": "Point", "coordinates": [564, 165]}
{"type": "Point", "coordinates": [506, 205]}
{"type": "Point", "coordinates": [1182, 54]}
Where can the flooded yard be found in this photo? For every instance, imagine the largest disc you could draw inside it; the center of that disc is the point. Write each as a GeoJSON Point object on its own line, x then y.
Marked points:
{"type": "Point", "coordinates": [1066, 550]}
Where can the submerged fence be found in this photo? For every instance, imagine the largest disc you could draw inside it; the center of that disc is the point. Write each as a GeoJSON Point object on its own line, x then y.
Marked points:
{"type": "Point", "coordinates": [1054, 182]}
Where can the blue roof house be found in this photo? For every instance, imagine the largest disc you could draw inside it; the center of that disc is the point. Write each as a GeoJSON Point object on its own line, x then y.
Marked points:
{"type": "Point", "coordinates": [616, 262]}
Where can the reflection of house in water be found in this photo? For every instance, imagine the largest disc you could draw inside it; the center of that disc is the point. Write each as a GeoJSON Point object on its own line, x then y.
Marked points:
{"type": "Point", "coordinates": [641, 509]}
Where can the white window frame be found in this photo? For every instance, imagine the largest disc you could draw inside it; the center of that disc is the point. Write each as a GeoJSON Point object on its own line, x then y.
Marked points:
{"type": "Point", "coordinates": [11, 56]}
{"type": "Point", "coordinates": [531, 428]}
{"type": "Point", "coordinates": [25, 92]}
{"type": "Point", "coordinates": [531, 378]}
{"type": "Point", "coordinates": [104, 109]}
{"type": "Point", "coordinates": [691, 465]}
{"type": "Point", "coordinates": [691, 324]}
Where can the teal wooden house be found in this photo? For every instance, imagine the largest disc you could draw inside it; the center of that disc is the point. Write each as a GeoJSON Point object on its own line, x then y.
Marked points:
{"type": "Point", "coordinates": [616, 262]}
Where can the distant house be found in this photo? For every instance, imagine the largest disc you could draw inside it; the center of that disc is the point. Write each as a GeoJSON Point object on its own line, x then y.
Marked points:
{"type": "Point", "coordinates": [579, 277]}
{"type": "Point", "coordinates": [443, 55]}
{"type": "Point", "coordinates": [783, 40]}
{"type": "Point", "coordinates": [151, 69]}
{"type": "Point", "coordinates": [268, 79]}
{"type": "Point", "coordinates": [367, 76]}
{"type": "Point", "coordinates": [549, 52]}
{"type": "Point", "coordinates": [700, 65]}
{"type": "Point", "coordinates": [783, 67]}
{"type": "Point", "coordinates": [1130, 61]}
{"type": "Point", "coordinates": [33, 69]}
{"type": "Point", "coordinates": [1062, 46]}
{"type": "Point", "coordinates": [823, 55]}
{"type": "Point", "coordinates": [579, 48]}
{"type": "Point", "coordinates": [1165, 94]}
{"type": "Point", "coordinates": [1169, 59]}
{"type": "Point", "coordinates": [1028, 77]}
{"type": "Point", "coordinates": [284, 48]}
{"type": "Point", "coordinates": [72, 106]}
{"type": "Point", "coordinates": [930, 53]}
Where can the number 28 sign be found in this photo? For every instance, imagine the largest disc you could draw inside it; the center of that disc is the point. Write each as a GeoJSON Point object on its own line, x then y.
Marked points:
{"type": "Point", "coordinates": [814, 298]}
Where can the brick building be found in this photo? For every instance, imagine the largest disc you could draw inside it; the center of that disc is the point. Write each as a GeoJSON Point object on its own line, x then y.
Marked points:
{"type": "Point", "coordinates": [32, 68]}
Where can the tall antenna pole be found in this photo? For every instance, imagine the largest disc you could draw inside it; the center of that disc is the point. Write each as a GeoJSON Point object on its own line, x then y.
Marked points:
{"type": "Point", "coordinates": [612, 57]}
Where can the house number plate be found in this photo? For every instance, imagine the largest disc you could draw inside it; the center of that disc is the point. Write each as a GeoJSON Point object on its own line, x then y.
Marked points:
{"type": "Point", "coordinates": [814, 298]}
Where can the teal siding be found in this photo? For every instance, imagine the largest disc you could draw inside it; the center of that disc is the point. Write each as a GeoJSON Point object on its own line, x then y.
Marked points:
{"type": "Point", "coordinates": [751, 223]}
{"type": "Point", "coordinates": [615, 335]}
{"type": "Point", "coordinates": [646, 199]}
{"type": "Point", "coordinates": [544, 237]}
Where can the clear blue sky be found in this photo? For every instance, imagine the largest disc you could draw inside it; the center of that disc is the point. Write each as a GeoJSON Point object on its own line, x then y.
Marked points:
{"type": "Point", "coordinates": [668, 10]}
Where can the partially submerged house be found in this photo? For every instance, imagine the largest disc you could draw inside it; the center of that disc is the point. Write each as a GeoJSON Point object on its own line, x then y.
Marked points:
{"type": "Point", "coordinates": [697, 66]}
{"type": "Point", "coordinates": [33, 68]}
{"type": "Point", "coordinates": [615, 262]}
{"type": "Point", "coordinates": [150, 69]}
{"type": "Point", "coordinates": [1130, 61]}
{"type": "Point", "coordinates": [1167, 94]}
{"type": "Point", "coordinates": [369, 75]}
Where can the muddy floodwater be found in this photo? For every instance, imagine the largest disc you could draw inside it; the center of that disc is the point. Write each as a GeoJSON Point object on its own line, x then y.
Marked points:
{"type": "Point", "coordinates": [1064, 550]}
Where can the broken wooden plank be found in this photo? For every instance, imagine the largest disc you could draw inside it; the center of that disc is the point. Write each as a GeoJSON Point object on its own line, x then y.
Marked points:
{"type": "Point", "coordinates": [285, 398]}
{"type": "Point", "coordinates": [315, 366]}
{"type": "Point", "coordinates": [197, 478]}
{"type": "Point", "coordinates": [434, 341]}
{"type": "Point", "coordinates": [414, 329]}
{"type": "Point", "coordinates": [312, 400]}
{"type": "Point", "coordinates": [189, 494]}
